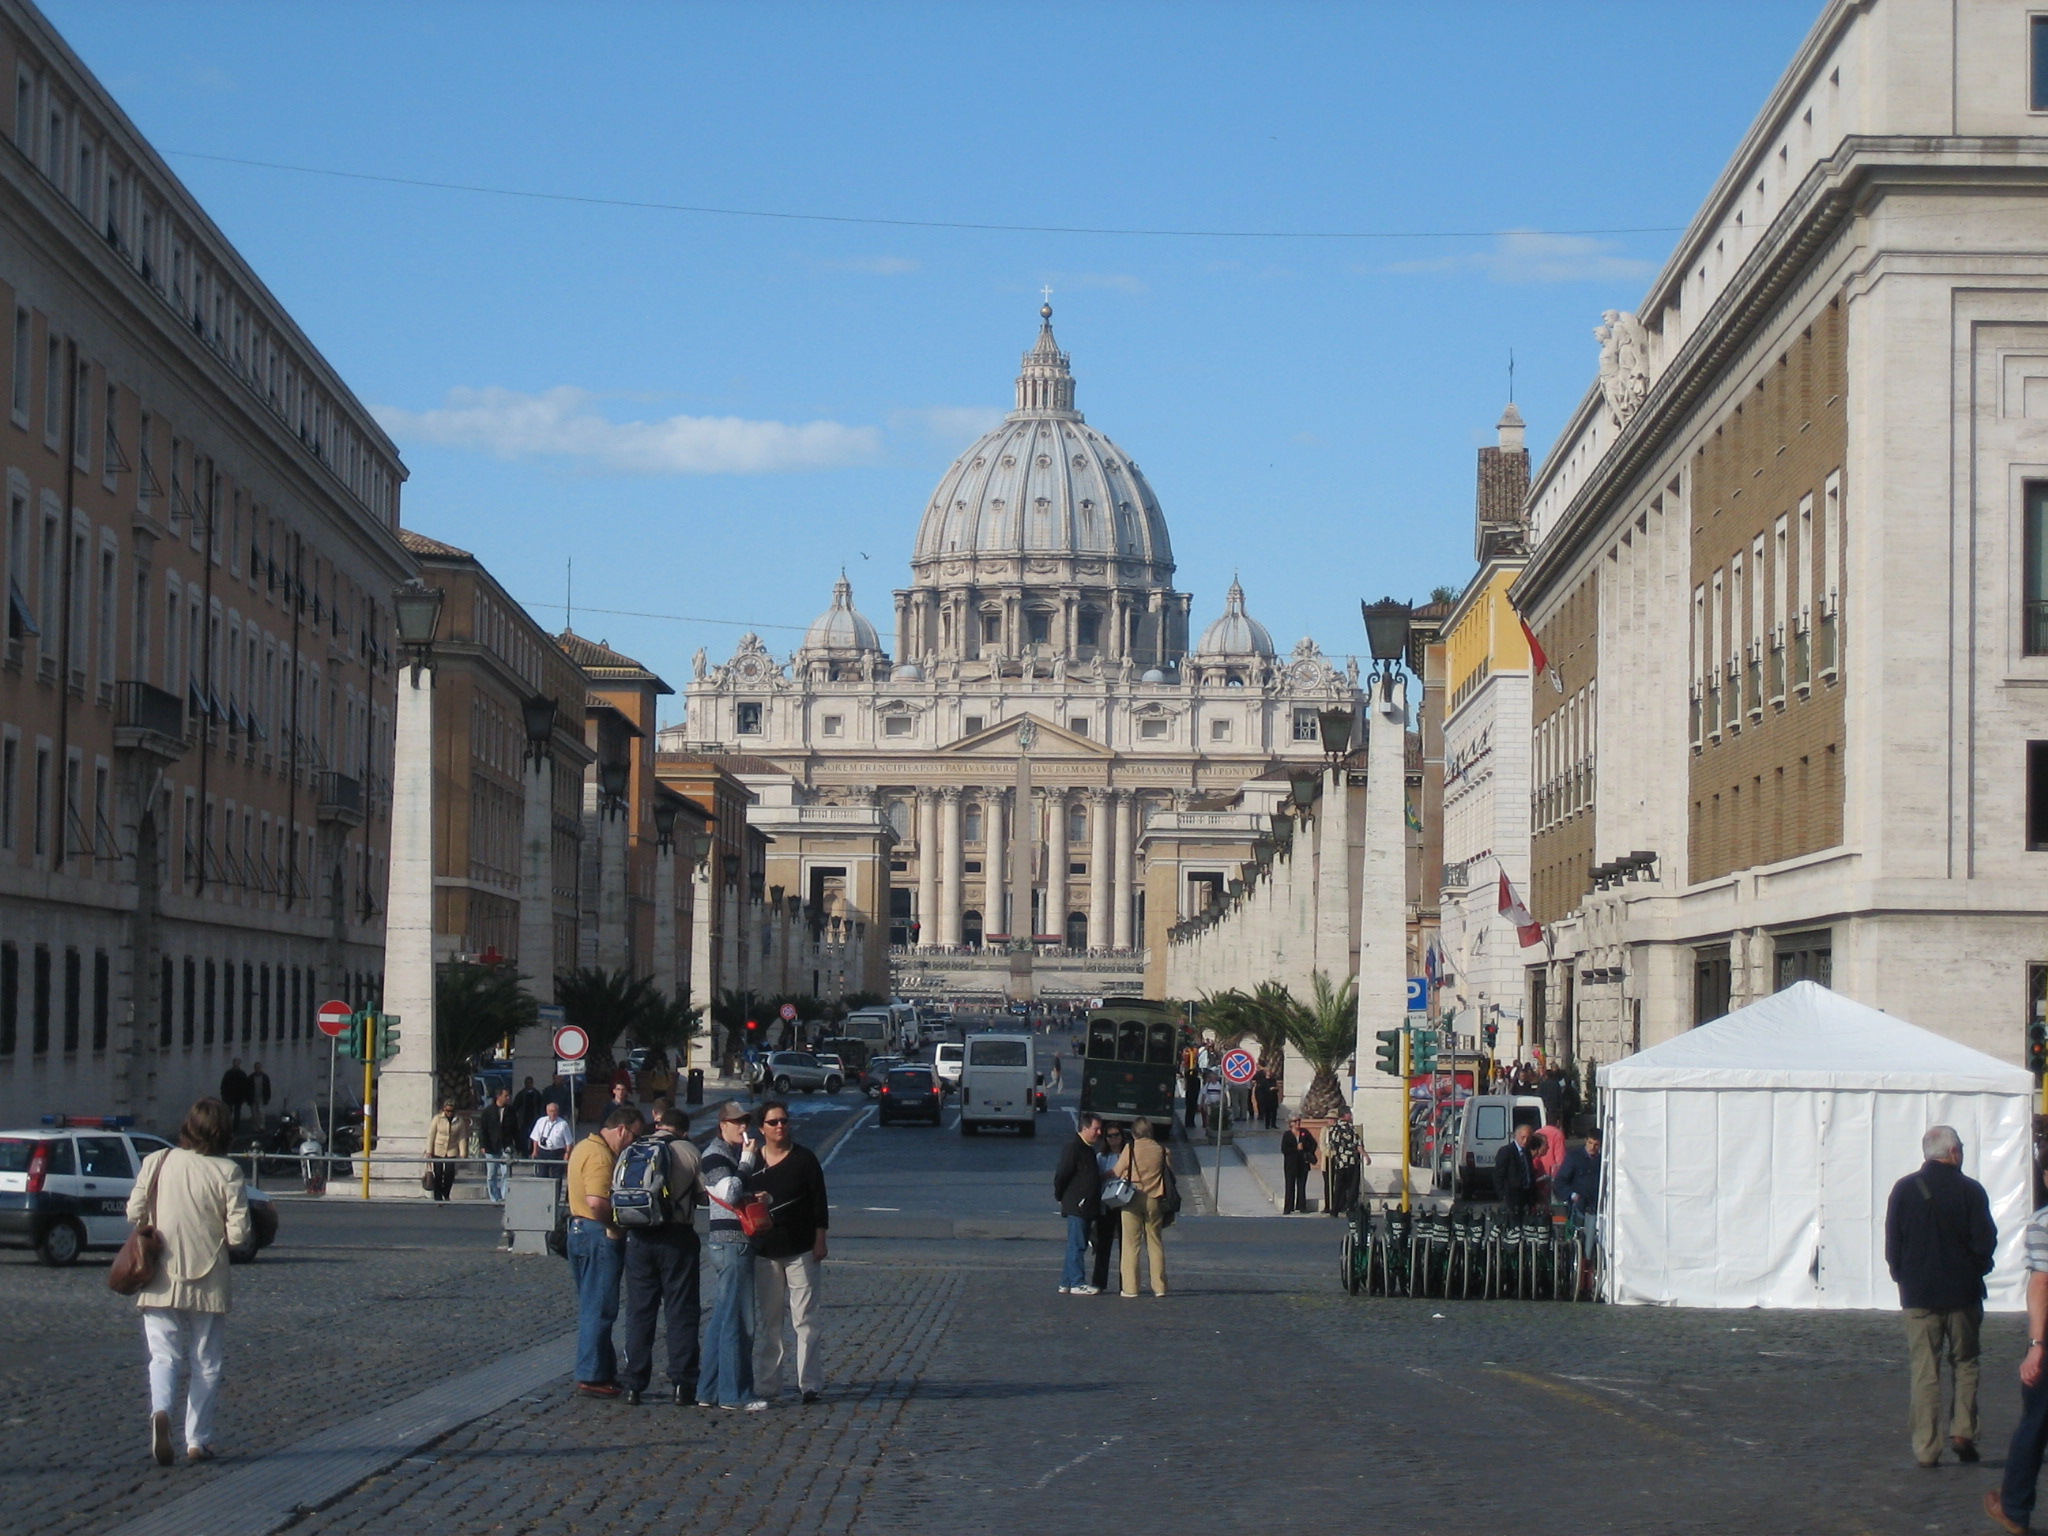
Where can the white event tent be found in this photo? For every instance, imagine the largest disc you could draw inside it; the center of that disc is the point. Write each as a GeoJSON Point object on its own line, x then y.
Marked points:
{"type": "Point", "coordinates": [1747, 1162]}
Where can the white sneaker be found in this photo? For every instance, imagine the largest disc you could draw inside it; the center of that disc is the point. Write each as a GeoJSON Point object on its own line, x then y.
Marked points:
{"type": "Point", "coordinates": [1065, 1289]}
{"type": "Point", "coordinates": [755, 1405]}
{"type": "Point", "coordinates": [1084, 1290]}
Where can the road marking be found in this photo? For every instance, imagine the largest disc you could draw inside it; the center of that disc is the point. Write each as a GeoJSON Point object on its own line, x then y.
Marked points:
{"type": "Point", "coordinates": [846, 1135]}
{"type": "Point", "coordinates": [1587, 1400]}
{"type": "Point", "coordinates": [1068, 1466]}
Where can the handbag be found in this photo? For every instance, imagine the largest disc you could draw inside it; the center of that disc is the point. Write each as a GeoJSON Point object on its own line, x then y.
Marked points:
{"type": "Point", "coordinates": [1117, 1193]}
{"type": "Point", "coordinates": [1168, 1203]}
{"type": "Point", "coordinates": [427, 1179]}
{"type": "Point", "coordinates": [756, 1215]}
{"type": "Point", "coordinates": [135, 1266]}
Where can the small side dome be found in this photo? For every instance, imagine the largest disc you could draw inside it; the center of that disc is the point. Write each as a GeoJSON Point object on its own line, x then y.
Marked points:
{"type": "Point", "coordinates": [841, 627]}
{"type": "Point", "coordinates": [1237, 633]}
{"type": "Point", "coordinates": [1152, 675]}
{"type": "Point", "coordinates": [906, 672]}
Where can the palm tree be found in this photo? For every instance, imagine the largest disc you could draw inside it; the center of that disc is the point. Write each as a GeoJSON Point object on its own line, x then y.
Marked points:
{"type": "Point", "coordinates": [475, 1008]}
{"type": "Point", "coordinates": [669, 1024]}
{"type": "Point", "coordinates": [1259, 1016]}
{"type": "Point", "coordinates": [730, 1011]}
{"type": "Point", "coordinates": [606, 1005]}
{"type": "Point", "coordinates": [1325, 1032]}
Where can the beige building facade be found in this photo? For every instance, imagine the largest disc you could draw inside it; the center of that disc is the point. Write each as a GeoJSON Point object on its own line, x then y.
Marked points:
{"type": "Point", "coordinates": [1786, 557]}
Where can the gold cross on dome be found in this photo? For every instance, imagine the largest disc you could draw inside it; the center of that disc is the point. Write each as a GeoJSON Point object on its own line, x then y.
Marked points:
{"type": "Point", "coordinates": [1046, 293]}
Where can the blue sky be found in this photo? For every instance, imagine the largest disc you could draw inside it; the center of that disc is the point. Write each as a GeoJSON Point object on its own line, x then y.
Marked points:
{"type": "Point", "coordinates": [711, 414]}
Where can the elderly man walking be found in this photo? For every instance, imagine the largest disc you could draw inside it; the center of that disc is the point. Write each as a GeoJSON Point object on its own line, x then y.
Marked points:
{"type": "Point", "coordinates": [1938, 1241]}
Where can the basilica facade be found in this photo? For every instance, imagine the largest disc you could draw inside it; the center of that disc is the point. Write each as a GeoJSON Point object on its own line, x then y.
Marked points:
{"type": "Point", "coordinates": [1058, 771]}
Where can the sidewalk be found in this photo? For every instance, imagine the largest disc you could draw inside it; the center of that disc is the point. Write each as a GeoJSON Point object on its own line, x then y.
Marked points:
{"type": "Point", "coordinates": [1253, 1184]}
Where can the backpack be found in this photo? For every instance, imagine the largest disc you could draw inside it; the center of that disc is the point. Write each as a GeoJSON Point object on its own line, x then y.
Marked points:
{"type": "Point", "coordinates": [1169, 1203]}
{"type": "Point", "coordinates": [640, 1192]}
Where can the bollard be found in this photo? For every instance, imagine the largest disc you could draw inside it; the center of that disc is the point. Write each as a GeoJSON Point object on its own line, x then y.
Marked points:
{"type": "Point", "coordinates": [693, 1091]}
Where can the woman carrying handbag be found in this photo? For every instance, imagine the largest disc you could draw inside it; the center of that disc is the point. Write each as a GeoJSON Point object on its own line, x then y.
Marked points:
{"type": "Point", "coordinates": [193, 1200]}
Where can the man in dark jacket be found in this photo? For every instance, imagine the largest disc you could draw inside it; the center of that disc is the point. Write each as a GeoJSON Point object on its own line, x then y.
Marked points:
{"type": "Point", "coordinates": [1077, 1185]}
{"type": "Point", "coordinates": [1579, 1177]}
{"type": "Point", "coordinates": [1514, 1173]}
{"type": "Point", "coordinates": [1938, 1241]}
{"type": "Point", "coordinates": [498, 1133]}
{"type": "Point", "coordinates": [1297, 1156]}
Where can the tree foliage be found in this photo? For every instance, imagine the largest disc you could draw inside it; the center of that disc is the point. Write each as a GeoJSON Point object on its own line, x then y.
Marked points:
{"type": "Point", "coordinates": [1325, 1032]}
{"type": "Point", "coordinates": [607, 1006]}
{"type": "Point", "coordinates": [475, 1008]}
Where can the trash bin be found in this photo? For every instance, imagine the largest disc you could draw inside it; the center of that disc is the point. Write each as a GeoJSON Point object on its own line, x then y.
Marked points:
{"type": "Point", "coordinates": [693, 1092]}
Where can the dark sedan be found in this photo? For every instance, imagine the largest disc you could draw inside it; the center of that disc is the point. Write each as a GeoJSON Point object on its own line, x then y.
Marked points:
{"type": "Point", "coordinates": [911, 1093]}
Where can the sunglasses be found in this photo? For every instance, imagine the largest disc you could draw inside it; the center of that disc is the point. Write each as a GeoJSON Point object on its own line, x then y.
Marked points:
{"type": "Point", "coordinates": [783, 1121]}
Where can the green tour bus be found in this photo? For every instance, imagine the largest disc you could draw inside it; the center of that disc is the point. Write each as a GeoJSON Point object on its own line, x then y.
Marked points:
{"type": "Point", "coordinates": [1131, 1060]}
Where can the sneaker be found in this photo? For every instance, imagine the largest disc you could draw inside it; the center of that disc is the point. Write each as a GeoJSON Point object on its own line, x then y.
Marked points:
{"type": "Point", "coordinates": [1128, 1295]}
{"type": "Point", "coordinates": [199, 1453]}
{"type": "Point", "coordinates": [755, 1405]}
{"type": "Point", "coordinates": [1065, 1289]}
{"type": "Point", "coordinates": [1084, 1290]}
{"type": "Point", "coordinates": [160, 1438]}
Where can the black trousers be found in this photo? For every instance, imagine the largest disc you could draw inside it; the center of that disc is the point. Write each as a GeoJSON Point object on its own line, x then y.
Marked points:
{"type": "Point", "coordinates": [660, 1281]}
{"type": "Point", "coordinates": [444, 1180]}
{"type": "Point", "coordinates": [1344, 1189]}
{"type": "Point", "coordinates": [1108, 1226]}
{"type": "Point", "coordinates": [1297, 1188]}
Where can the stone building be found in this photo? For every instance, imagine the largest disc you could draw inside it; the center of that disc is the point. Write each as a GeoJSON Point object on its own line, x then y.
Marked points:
{"type": "Point", "coordinates": [197, 666]}
{"type": "Point", "coordinates": [1788, 561]}
{"type": "Point", "coordinates": [1485, 802]}
{"type": "Point", "coordinates": [1041, 707]}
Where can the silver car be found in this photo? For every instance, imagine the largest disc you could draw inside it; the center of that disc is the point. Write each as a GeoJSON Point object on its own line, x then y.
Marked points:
{"type": "Point", "coordinates": [800, 1069]}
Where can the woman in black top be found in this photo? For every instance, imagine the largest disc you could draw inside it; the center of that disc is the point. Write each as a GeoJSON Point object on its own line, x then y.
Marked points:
{"type": "Point", "coordinates": [788, 1256]}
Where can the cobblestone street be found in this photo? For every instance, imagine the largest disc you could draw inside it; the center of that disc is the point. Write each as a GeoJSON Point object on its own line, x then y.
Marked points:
{"type": "Point", "coordinates": [966, 1395]}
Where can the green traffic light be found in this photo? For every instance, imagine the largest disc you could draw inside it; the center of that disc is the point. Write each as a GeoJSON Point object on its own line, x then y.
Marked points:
{"type": "Point", "coordinates": [1388, 1051]}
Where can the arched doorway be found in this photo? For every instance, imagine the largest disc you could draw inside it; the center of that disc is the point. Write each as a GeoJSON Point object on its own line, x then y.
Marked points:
{"type": "Point", "coordinates": [970, 928]}
{"type": "Point", "coordinates": [1077, 930]}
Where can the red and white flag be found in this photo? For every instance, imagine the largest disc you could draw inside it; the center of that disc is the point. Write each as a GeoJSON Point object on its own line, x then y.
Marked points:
{"type": "Point", "coordinates": [1527, 929]}
{"type": "Point", "coordinates": [1538, 658]}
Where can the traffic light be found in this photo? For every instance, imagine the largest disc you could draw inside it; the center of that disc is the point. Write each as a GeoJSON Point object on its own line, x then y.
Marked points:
{"type": "Point", "coordinates": [350, 1041]}
{"type": "Point", "coordinates": [1422, 1051]}
{"type": "Point", "coordinates": [387, 1035]}
{"type": "Point", "coordinates": [1492, 1038]}
{"type": "Point", "coordinates": [1388, 1051]}
{"type": "Point", "coordinates": [2037, 1047]}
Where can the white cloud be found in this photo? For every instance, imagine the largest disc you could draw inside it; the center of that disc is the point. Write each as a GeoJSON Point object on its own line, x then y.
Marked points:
{"type": "Point", "coordinates": [1531, 256]}
{"type": "Point", "coordinates": [948, 425]}
{"type": "Point", "coordinates": [564, 423]}
{"type": "Point", "coordinates": [874, 266]}
{"type": "Point", "coordinates": [1120, 282]}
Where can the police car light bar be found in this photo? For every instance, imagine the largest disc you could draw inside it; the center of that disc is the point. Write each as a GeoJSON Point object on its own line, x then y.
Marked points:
{"type": "Point", "coordinates": [90, 1122]}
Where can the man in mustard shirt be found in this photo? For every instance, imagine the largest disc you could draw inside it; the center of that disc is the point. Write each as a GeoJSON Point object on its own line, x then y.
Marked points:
{"type": "Point", "coordinates": [597, 1250]}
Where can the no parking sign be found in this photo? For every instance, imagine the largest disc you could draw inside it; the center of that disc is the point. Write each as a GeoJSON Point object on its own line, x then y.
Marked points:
{"type": "Point", "coordinates": [1239, 1066]}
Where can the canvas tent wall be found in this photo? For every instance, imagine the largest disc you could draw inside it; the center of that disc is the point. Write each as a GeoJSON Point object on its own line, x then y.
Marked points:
{"type": "Point", "coordinates": [1748, 1161]}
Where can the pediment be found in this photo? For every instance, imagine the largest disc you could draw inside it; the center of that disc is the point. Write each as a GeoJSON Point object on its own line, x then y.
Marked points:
{"type": "Point", "coordinates": [1001, 741]}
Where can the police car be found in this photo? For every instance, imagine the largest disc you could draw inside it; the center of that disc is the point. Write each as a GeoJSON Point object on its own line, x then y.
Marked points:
{"type": "Point", "coordinates": [64, 1187]}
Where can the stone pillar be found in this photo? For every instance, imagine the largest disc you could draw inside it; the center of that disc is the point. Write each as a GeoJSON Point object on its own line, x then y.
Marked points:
{"type": "Point", "coordinates": [1334, 909]}
{"type": "Point", "coordinates": [663, 956]}
{"type": "Point", "coordinates": [1101, 876]}
{"type": "Point", "coordinates": [406, 1086]}
{"type": "Point", "coordinates": [614, 882]}
{"type": "Point", "coordinates": [1126, 872]}
{"type": "Point", "coordinates": [1056, 863]}
{"type": "Point", "coordinates": [534, 1054]}
{"type": "Point", "coordinates": [1380, 1103]}
{"type": "Point", "coordinates": [927, 869]}
{"type": "Point", "coordinates": [994, 847]}
{"type": "Point", "coordinates": [950, 865]}
{"type": "Point", "coordinates": [705, 979]}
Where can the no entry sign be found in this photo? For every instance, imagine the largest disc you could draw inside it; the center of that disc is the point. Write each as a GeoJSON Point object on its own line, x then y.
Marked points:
{"type": "Point", "coordinates": [333, 1019]}
{"type": "Point", "coordinates": [1239, 1066]}
{"type": "Point", "coordinates": [571, 1043]}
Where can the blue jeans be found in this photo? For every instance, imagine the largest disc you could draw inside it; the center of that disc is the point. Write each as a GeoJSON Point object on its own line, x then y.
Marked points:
{"type": "Point", "coordinates": [1074, 1271]}
{"type": "Point", "coordinates": [496, 1164]}
{"type": "Point", "coordinates": [726, 1375]}
{"type": "Point", "coordinates": [2023, 1461]}
{"type": "Point", "coordinates": [596, 1262]}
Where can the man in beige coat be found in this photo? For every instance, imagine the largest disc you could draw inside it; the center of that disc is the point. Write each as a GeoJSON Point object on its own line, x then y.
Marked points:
{"type": "Point", "coordinates": [197, 1201]}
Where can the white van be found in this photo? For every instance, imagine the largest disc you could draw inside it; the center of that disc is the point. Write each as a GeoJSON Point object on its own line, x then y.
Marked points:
{"type": "Point", "coordinates": [1485, 1124]}
{"type": "Point", "coordinates": [946, 1058]}
{"type": "Point", "coordinates": [998, 1084]}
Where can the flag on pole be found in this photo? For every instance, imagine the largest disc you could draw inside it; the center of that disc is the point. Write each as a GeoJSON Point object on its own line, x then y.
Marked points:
{"type": "Point", "coordinates": [1537, 656]}
{"type": "Point", "coordinates": [1527, 929]}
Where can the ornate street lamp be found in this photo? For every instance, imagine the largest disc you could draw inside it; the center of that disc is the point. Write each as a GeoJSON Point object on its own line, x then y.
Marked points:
{"type": "Point", "coordinates": [614, 779]}
{"type": "Point", "coordinates": [538, 714]}
{"type": "Point", "coordinates": [1304, 787]}
{"type": "Point", "coordinates": [417, 609]}
{"type": "Point", "coordinates": [665, 812]}
{"type": "Point", "coordinates": [1386, 635]}
{"type": "Point", "coordinates": [1336, 731]}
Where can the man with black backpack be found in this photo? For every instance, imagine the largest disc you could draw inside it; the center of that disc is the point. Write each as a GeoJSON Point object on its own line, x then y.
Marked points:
{"type": "Point", "coordinates": [656, 1188]}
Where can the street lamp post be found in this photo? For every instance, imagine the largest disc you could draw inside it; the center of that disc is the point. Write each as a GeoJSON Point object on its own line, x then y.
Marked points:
{"type": "Point", "coordinates": [405, 1091]}
{"type": "Point", "coordinates": [1383, 883]}
{"type": "Point", "coordinates": [538, 715]}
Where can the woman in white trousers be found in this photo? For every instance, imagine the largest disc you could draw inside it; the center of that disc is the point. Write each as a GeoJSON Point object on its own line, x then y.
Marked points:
{"type": "Point", "coordinates": [196, 1199]}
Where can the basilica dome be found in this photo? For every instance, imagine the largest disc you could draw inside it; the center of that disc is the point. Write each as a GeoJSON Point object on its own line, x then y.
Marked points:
{"type": "Point", "coordinates": [1046, 495]}
{"type": "Point", "coordinates": [1237, 633]}
{"type": "Point", "coordinates": [841, 627]}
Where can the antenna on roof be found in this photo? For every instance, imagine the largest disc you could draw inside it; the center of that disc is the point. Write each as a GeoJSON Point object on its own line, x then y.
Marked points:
{"type": "Point", "coordinates": [569, 597]}
{"type": "Point", "coordinates": [1511, 375]}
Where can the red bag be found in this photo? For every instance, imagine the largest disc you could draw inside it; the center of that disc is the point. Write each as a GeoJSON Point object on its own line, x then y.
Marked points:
{"type": "Point", "coordinates": [135, 1265]}
{"type": "Point", "coordinates": [756, 1214]}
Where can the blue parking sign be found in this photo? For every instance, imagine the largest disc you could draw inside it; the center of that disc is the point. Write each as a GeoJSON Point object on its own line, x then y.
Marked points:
{"type": "Point", "coordinates": [1418, 994]}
